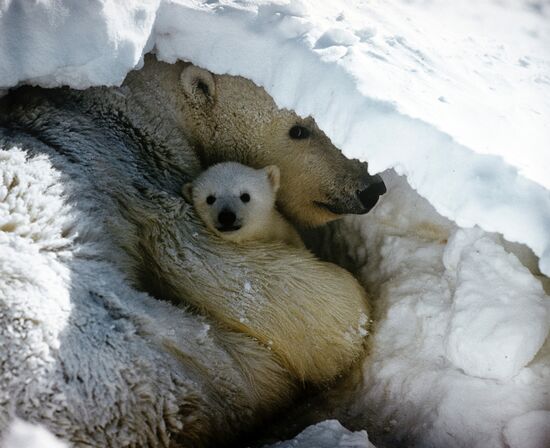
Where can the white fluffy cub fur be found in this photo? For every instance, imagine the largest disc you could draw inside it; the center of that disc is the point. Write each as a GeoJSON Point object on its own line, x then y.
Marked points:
{"type": "Point", "coordinates": [237, 203]}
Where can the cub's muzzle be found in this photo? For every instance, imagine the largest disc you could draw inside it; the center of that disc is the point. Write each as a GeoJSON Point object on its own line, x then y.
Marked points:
{"type": "Point", "coordinates": [227, 219]}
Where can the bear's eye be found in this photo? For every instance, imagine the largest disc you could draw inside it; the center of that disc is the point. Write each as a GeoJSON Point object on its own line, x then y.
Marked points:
{"type": "Point", "coordinates": [245, 197]}
{"type": "Point", "coordinates": [298, 132]}
{"type": "Point", "coordinates": [210, 200]}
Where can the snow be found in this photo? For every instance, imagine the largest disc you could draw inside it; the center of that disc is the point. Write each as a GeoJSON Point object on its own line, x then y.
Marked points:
{"type": "Point", "coordinates": [523, 431]}
{"type": "Point", "coordinates": [26, 435]}
{"type": "Point", "coordinates": [327, 434]}
{"type": "Point", "coordinates": [500, 312]}
{"type": "Point", "coordinates": [460, 347]}
{"type": "Point", "coordinates": [79, 44]}
{"type": "Point", "coordinates": [453, 95]}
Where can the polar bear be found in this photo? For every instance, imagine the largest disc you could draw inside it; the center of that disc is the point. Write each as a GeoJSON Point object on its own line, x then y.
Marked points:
{"type": "Point", "coordinates": [229, 118]}
{"type": "Point", "coordinates": [124, 322]}
{"type": "Point", "coordinates": [237, 203]}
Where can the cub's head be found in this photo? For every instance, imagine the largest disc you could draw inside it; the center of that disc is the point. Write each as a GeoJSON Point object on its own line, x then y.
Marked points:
{"type": "Point", "coordinates": [234, 200]}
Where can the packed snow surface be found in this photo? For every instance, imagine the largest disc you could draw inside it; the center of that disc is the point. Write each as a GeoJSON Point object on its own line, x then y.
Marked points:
{"type": "Point", "coordinates": [454, 95]}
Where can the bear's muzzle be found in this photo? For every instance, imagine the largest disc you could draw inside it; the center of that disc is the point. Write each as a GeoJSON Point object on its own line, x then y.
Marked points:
{"type": "Point", "coordinates": [368, 197]}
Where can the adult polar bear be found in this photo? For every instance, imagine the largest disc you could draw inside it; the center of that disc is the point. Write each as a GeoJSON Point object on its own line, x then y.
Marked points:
{"type": "Point", "coordinates": [91, 214]}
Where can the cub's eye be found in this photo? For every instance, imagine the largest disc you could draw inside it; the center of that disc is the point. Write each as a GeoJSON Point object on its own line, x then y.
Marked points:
{"type": "Point", "coordinates": [245, 197]}
{"type": "Point", "coordinates": [298, 132]}
{"type": "Point", "coordinates": [210, 200]}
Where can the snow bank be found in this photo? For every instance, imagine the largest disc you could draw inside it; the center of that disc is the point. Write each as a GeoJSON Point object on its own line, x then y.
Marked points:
{"type": "Point", "coordinates": [455, 95]}
{"type": "Point", "coordinates": [80, 44]}
{"type": "Point", "coordinates": [461, 354]}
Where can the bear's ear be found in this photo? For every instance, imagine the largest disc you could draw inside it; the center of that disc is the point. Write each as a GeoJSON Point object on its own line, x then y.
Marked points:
{"type": "Point", "coordinates": [274, 176]}
{"type": "Point", "coordinates": [187, 192]}
{"type": "Point", "coordinates": [198, 83]}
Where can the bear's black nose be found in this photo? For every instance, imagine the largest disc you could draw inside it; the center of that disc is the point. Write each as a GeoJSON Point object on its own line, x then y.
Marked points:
{"type": "Point", "coordinates": [369, 196]}
{"type": "Point", "coordinates": [227, 218]}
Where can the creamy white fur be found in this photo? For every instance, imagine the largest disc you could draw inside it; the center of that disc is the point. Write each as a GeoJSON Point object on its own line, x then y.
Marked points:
{"type": "Point", "coordinates": [90, 215]}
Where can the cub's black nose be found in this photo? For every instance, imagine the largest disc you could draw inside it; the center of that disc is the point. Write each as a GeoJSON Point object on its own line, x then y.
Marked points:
{"type": "Point", "coordinates": [369, 196]}
{"type": "Point", "coordinates": [227, 218]}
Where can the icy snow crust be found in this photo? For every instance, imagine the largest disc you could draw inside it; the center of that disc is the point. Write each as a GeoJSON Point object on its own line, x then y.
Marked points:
{"type": "Point", "coordinates": [456, 96]}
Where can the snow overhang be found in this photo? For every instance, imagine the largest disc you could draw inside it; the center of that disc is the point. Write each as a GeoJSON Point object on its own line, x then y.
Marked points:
{"type": "Point", "coordinates": [454, 97]}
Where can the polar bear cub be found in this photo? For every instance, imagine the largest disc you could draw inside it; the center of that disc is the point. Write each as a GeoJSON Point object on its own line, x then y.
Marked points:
{"type": "Point", "coordinates": [237, 203]}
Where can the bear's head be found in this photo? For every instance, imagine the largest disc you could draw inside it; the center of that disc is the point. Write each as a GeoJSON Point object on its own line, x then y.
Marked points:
{"type": "Point", "coordinates": [230, 118]}
{"type": "Point", "coordinates": [235, 201]}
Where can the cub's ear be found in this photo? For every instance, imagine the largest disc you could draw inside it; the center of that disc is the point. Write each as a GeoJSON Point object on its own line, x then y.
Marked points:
{"type": "Point", "coordinates": [187, 192]}
{"type": "Point", "coordinates": [198, 83]}
{"type": "Point", "coordinates": [274, 176]}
